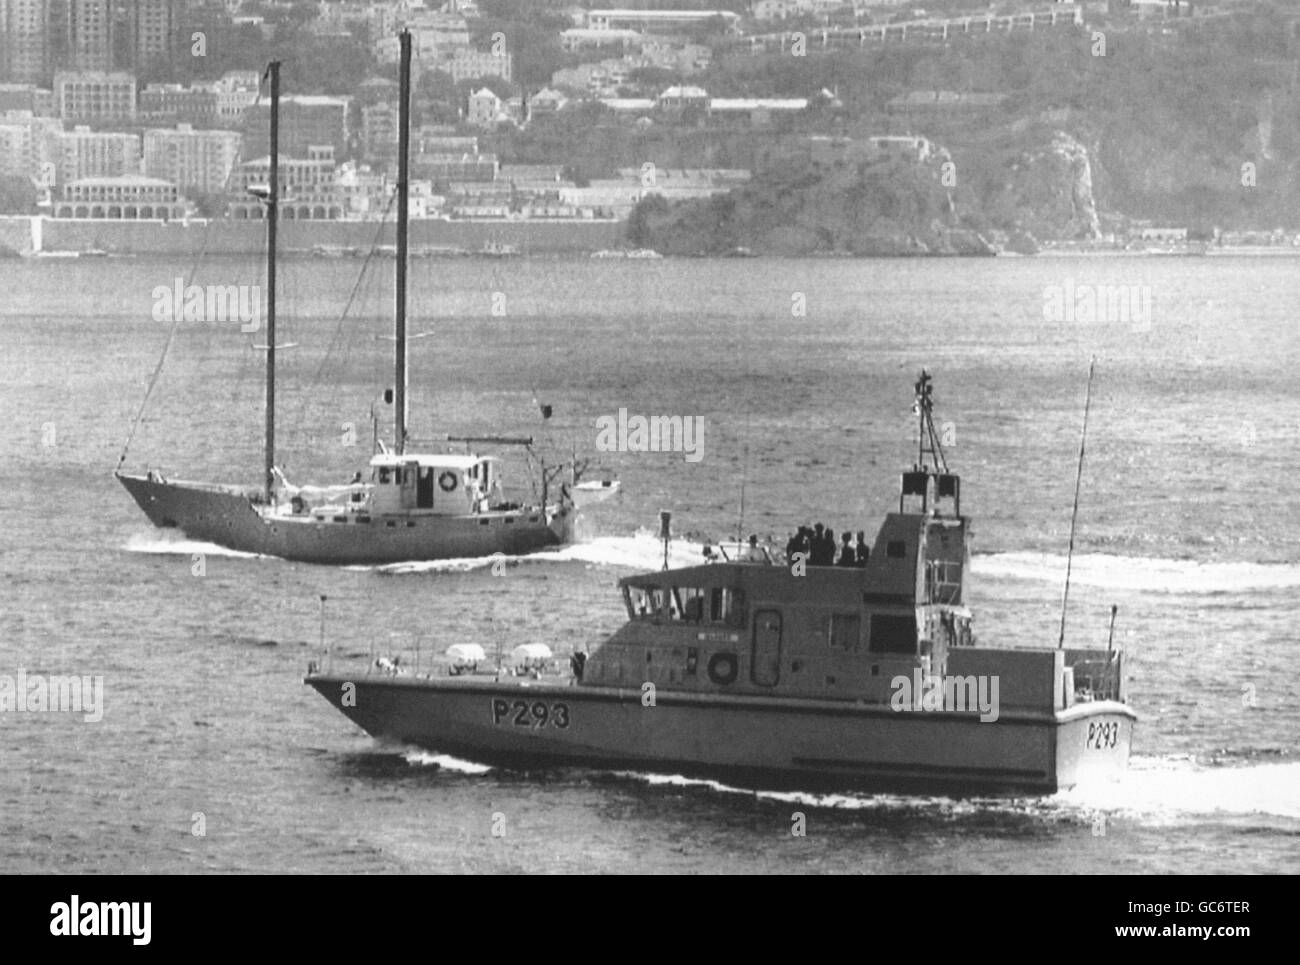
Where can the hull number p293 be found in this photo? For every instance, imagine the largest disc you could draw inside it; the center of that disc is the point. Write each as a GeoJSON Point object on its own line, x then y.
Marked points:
{"type": "Point", "coordinates": [523, 713]}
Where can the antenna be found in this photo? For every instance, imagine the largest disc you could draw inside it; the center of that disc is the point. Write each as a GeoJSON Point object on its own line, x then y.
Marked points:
{"type": "Point", "coordinates": [740, 522]}
{"type": "Point", "coordinates": [927, 440]}
{"type": "Point", "coordinates": [496, 632]}
{"type": "Point", "coordinates": [1074, 514]}
{"type": "Point", "coordinates": [744, 475]}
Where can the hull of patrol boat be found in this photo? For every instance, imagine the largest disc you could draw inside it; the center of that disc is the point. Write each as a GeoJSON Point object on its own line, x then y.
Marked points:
{"type": "Point", "coordinates": [756, 742]}
{"type": "Point", "coordinates": [230, 516]}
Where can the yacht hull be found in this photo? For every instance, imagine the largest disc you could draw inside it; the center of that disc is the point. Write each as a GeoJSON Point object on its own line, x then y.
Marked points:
{"type": "Point", "coordinates": [757, 742]}
{"type": "Point", "coordinates": [231, 517]}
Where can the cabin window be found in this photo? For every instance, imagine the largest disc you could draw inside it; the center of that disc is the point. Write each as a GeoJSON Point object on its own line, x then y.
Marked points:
{"type": "Point", "coordinates": [644, 602]}
{"type": "Point", "coordinates": [844, 631]}
{"type": "Point", "coordinates": [686, 604]}
{"type": "Point", "coordinates": [893, 634]}
{"type": "Point", "coordinates": [896, 549]}
{"type": "Point", "coordinates": [385, 475]}
{"type": "Point", "coordinates": [727, 606]}
{"type": "Point", "coordinates": [658, 599]}
{"type": "Point", "coordinates": [634, 598]}
{"type": "Point", "coordinates": [690, 604]}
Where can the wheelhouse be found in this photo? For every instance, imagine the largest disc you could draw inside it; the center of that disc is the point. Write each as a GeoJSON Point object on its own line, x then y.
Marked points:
{"type": "Point", "coordinates": [442, 484]}
{"type": "Point", "coordinates": [813, 631]}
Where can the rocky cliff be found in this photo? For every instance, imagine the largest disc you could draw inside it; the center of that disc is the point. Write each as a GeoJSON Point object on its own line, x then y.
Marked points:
{"type": "Point", "coordinates": [1018, 186]}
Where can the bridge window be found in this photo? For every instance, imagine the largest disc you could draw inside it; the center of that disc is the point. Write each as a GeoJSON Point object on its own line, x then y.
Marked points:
{"type": "Point", "coordinates": [644, 602]}
{"type": "Point", "coordinates": [893, 634]}
{"type": "Point", "coordinates": [686, 604]}
{"type": "Point", "coordinates": [692, 603]}
{"type": "Point", "coordinates": [727, 606]}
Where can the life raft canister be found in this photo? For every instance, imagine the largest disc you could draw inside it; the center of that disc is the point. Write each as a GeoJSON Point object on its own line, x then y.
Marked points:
{"type": "Point", "coordinates": [447, 481]}
{"type": "Point", "coordinates": [723, 668]}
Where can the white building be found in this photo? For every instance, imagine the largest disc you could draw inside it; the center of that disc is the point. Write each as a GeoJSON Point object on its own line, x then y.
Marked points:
{"type": "Point", "coordinates": [236, 91]}
{"type": "Point", "coordinates": [435, 38]}
{"type": "Point", "coordinates": [658, 21]}
{"type": "Point", "coordinates": [131, 197]}
{"type": "Point", "coordinates": [25, 145]}
{"type": "Point", "coordinates": [82, 153]}
{"type": "Point", "coordinates": [582, 38]}
{"type": "Point", "coordinates": [781, 9]}
{"type": "Point", "coordinates": [94, 96]}
{"type": "Point", "coordinates": [469, 64]}
{"type": "Point", "coordinates": [196, 161]}
{"type": "Point", "coordinates": [25, 40]}
{"type": "Point", "coordinates": [486, 109]}
{"type": "Point", "coordinates": [546, 101]}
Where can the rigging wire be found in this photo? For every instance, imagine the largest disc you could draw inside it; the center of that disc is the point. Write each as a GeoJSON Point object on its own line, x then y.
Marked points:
{"type": "Point", "coordinates": [363, 276]}
{"type": "Point", "coordinates": [178, 315]}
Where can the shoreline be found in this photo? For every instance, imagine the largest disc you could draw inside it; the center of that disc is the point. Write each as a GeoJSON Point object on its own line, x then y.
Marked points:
{"type": "Point", "coordinates": [39, 237]}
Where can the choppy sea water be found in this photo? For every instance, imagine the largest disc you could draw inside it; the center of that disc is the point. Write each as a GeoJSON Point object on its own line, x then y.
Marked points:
{"type": "Point", "coordinates": [801, 372]}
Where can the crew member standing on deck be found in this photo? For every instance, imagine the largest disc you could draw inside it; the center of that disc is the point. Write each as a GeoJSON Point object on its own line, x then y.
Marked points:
{"type": "Point", "coordinates": [817, 547]}
{"type": "Point", "coordinates": [848, 555]}
{"type": "Point", "coordinates": [798, 544]}
{"type": "Point", "coordinates": [828, 547]}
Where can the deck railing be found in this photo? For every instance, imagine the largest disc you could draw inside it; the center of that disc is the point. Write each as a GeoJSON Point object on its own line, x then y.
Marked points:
{"type": "Point", "coordinates": [943, 582]}
{"type": "Point", "coordinates": [1098, 674]}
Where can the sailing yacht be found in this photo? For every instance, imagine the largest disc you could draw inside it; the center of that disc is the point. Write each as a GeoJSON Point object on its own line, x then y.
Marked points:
{"type": "Point", "coordinates": [414, 506]}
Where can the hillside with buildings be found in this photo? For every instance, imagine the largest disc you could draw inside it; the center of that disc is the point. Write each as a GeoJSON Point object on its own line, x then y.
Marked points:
{"type": "Point", "coordinates": [797, 126]}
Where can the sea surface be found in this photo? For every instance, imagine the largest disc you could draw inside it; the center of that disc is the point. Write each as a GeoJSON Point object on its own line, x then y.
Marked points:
{"type": "Point", "coordinates": [211, 755]}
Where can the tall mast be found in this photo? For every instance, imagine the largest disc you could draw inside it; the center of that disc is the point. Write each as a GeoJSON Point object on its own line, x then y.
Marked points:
{"type": "Point", "coordinates": [272, 216]}
{"type": "Point", "coordinates": [403, 191]}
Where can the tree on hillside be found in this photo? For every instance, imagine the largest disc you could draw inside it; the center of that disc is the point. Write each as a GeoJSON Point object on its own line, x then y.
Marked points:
{"type": "Point", "coordinates": [652, 78]}
{"type": "Point", "coordinates": [639, 221]}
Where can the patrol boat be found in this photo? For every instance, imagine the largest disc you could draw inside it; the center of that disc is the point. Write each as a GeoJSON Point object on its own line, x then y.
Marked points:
{"type": "Point", "coordinates": [789, 676]}
{"type": "Point", "coordinates": [414, 506]}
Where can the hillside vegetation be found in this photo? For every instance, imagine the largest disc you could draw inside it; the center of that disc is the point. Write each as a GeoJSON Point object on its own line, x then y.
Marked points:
{"type": "Point", "coordinates": [1197, 128]}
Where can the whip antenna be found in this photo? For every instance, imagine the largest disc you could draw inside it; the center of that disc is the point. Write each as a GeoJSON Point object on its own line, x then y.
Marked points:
{"type": "Point", "coordinates": [1074, 514]}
